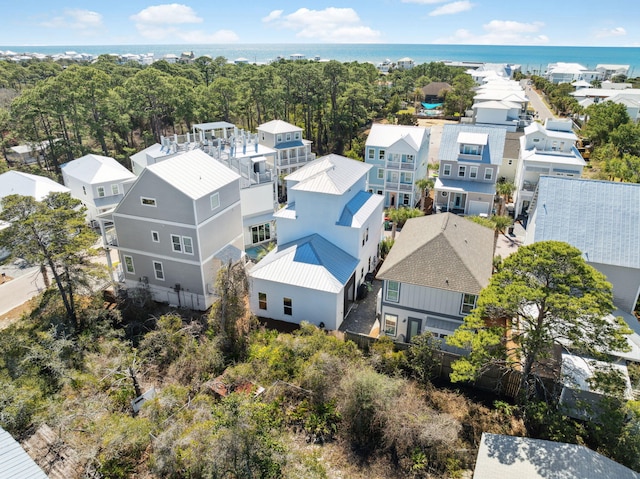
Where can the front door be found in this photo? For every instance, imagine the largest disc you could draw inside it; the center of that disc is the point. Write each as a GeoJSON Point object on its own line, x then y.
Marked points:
{"type": "Point", "coordinates": [415, 325]}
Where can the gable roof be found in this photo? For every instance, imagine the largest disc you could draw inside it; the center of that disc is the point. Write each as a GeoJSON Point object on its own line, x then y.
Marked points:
{"type": "Point", "coordinates": [359, 209]}
{"type": "Point", "coordinates": [278, 126]}
{"type": "Point", "coordinates": [15, 463]}
{"type": "Point", "coordinates": [96, 169]}
{"type": "Point", "coordinates": [443, 251]}
{"type": "Point", "coordinates": [502, 456]}
{"type": "Point", "coordinates": [386, 135]}
{"type": "Point", "coordinates": [449, 150]}
{"type": "Point", "coordinates": [600, 218]}
{"type": "Point", "coordinates": [194, 173]}
{"type": "Point", "coordinates": [18, 183]}
{"type": "Point", "coordinates": [331, 174]}
{"type": "Point", "coordinates": [311, 262]}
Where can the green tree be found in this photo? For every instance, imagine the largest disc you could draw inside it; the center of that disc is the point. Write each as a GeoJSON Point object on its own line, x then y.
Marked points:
{"type": "Point", "coordinates": [505, 190]}
{"type": "Point", "coordinates": [52, 232]}
{"type": "Point", "coordinates": [603, 118]}
{"type": "Point", "coordinates": [424, 185]}
{"type": "Point", "coordinates": [399, 217]}
{"type": "Point", "coordinates": [544, 294]}
{"type": "Point", "coordinates": [460, 97]}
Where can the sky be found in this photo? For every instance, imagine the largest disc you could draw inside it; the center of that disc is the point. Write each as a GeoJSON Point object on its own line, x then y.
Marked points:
{"type": "Point", "coordinates": [474, 22]}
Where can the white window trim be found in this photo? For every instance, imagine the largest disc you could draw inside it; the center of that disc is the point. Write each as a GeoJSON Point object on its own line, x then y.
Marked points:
{"type": "Point", "coordinates": [488, 174]}
{"type": "Point", "coordinates": [290, 306]}
{"type": "Point", "coordinates": [381, 173]}
{"type": "Point", "coordinates": [473, 172]}
{"type": "Point", "coordinates": [216, 197]}
{"type": "Point", "coordinates": [462, 169]}
{"type": "Point", "coordinates": [446, 169]}
{"type": "Point", "coordinates": [145, 198]}
{"type": "Point", "coordinates": [394, 317]}
{"type": "Point", "coordinates": [184, 245]}
{"type": "Point", "coordinates": [126, 266]}
{"type": "Point", "coordinates": [101, 189]}
{"type": "Point", "coordinates": [266, 301]}
{"type": "Point", "coordinates": [155, 271]}
{"type": "Point", "coordinates": [387, 297]}
{"type": "Point", "coordinates": [371, 154]}
{"type": "Point", "coordinates": [463, 304]}
{"type": "Point", "coordinates": [156, 235]}
{"type": "Point", "coordinates": [177, 244]}
{"type": "Point", "coordinates": [115, 189]}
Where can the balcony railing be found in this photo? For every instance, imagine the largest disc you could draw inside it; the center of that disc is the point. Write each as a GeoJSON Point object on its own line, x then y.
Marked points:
{"type": "Point", "coordinates": [398, 165]}
{"type": "Point", "coordinates": [397, 186]}
{"type": "Point", "coordinates": [529, 185]}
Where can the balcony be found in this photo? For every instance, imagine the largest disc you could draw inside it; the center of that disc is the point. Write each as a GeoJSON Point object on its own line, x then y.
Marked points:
{"type": "Point", "coordinates": [529, 185]}
{"type": "Point", "coordinates": [400, 165]}
{"type": "Point", "coordinates": [397, 186]}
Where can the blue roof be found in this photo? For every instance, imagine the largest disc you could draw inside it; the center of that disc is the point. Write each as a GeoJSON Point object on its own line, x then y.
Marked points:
{"type": "Point", "coordinates": [357, 202]}
{"type": "Point", "coordinates": [600, 218]}
{"type": "Point", "coordinates": [449, 150]}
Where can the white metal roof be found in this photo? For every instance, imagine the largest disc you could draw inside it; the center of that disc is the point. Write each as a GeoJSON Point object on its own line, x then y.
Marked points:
{"type": "Point", "coordinates": [15, 463]}
{"type": "Point", "coordinates": [194, 173]}
{"type": "Point", "coordinates": [496, 105]}
{"type": "Point", "coordinates": [278, 126]}
{"type": "Point", "coordinates": [502, 456]}
{"type": "Point", "coordinates": [311, 262]}
{"type": "Point", "coordinates": [387, 135]}
{"type": "Point", "coordinates": [93, 169]}
{"type": "Point", "coordinates": [19, 183]}
{"type": "Point", "coordinates": [470, 138]}
{"type": "Point", "coordinates": [331, 174]}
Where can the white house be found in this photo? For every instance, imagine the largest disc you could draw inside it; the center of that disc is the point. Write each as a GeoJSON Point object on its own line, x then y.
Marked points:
{"type": "Point", "coordinates": [405, 63]}
{"type": "Point", "coordinates": [562, 72]}
{"type": "Point", "coordinates": [601, 219]}
{"type": "Point", "coordinates": [99, 182]}
{"type": "Point", "coordinates": [610, 70]}
{"type": "Point", "coordinates": [545, 150]}
{"type": "Point", "coordinates": [178, 224]}
{"type": "Point", "coordinates": [328, 235]}
{"type": "Point", "coordinates": [15, 182]}
{"type": "Point", "coordinates": [399, 156]}
{"type": "Point", "coordinates": [501, 102]}
{"type": "Point", "coordinates": [433, 275]}
{"type": "Point", "coordinates": [470, 157]}
{"type": "Point", "coordinates": [292, 151]}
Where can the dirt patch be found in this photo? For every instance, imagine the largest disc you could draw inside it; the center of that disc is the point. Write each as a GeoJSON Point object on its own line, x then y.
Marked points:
{"type": "Point", "coordinates": [427, 122]}
{"type": "Point", "coordinates": [15, 314]}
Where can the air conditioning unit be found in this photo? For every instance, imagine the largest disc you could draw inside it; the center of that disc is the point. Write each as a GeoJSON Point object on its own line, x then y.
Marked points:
{"type": "Point", "coordinates": [144, 280]}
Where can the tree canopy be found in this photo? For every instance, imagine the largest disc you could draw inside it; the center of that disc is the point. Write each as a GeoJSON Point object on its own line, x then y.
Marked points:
{"type": "Point", "coordinates": [545, 294]}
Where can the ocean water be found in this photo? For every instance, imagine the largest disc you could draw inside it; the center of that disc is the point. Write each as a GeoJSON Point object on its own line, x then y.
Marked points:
{"type": "Point", "coordinates": [531, 58]}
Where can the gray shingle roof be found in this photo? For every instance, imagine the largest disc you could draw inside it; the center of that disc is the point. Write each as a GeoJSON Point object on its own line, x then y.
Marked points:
{"type": "Point", "coordinates": [600, 218]}
{"type": "Point", "coordinates": [523, 458]}
{"type": "Point", "coordinates": [443, 251]}
{"type": "Point", "coordinates": [449, 150]}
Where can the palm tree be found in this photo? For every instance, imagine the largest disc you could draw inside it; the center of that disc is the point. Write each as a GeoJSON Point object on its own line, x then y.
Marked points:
{"type": "Point", "coordinates": [424, 185]}
{"type": "Point", "coordinates": [500, 224]}
{"type": "Point", "coordinates": [504, 189]}
{"type": "Point", "coordinates": [400, 216]}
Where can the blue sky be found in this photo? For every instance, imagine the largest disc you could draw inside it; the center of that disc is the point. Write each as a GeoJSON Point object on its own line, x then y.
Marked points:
{"type": "Point", "coordinates": [494, 22]}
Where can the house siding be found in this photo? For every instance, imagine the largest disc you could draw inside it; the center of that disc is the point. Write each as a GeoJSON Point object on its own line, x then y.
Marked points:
{"type": "Point", "coordinates": [626, 284]}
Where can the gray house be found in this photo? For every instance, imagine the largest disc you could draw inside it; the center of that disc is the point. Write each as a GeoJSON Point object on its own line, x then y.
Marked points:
{"type": "Point", "coordinates": [470, 158]}
{"type": "Point", "coordinates": [433, 275]}
{"type": "Point", "coordinates": [177, 226]}
{"type": "Point", "coordinates": [601, 219]}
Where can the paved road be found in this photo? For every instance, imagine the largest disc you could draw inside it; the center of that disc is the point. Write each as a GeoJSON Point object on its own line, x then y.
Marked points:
{"type": "Point", "coordinates": [538, 105]}
{"type": "Point", "coordinates": [22, 288]}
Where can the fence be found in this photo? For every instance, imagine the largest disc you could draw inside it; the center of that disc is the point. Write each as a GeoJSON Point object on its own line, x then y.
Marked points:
{"type": "Point", "coordinates": [496, 380]}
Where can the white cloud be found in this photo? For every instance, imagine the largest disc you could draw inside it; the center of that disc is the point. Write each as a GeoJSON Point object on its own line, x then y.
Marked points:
{"type": "Point", "coordinates": [168, 14]}
{"type": "Point", "coordinates": [500, 32]}
{"type": "Point", "coordinates": [273, 16]}
{"type": "Point", "coordinates": [612, 32]}
{"type": "Point", "coordinates": [452, 8]}
{"type": "Point", "coordinates": [424, 2]}
{"type": "Point", "coordinates": [338, 25]}
{"type": "Point", "coordinates": [76, 19]}
{"type": "Point", "coordinates": [158, 23]}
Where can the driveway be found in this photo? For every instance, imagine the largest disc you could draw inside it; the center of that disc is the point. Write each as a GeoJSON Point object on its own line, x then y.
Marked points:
{"type": "Point", "coordinates": [25, 285]}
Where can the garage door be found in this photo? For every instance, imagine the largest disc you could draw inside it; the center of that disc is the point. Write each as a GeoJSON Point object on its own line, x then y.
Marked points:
{"type": "Point", "coordinates": [478, 207]}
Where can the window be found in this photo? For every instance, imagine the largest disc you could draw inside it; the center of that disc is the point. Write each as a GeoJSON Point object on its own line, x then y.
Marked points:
{"type": "Point", "coordinates": [405, 199]}
{"type": "Point", "coordinates": [176, 244]}
{"type": "Point", "coordinates": [182, 244]}
{"type": "Point", "coordinates": [128, 264]}
{"type": "Point", "coordinates": [288, 306]}
{"type": "Point", "coordinates": [157, 269]}
{"type": "Point", "coordinates": [115, 189]}
{"type": "Point", "coordinates": [393, 291]}
{"type": "Point", "coordinates": [365, 236]}
{"type": "Point", "coordinates": [446, 169]}
{"type": "Point", "coordinates": [215, 200]}
{"type": "Point", "coordinates": [262, 300]}
{"type": "Point", "coordinates": [488, 174]}
{"type": "Point", "coordinates": [390, 324]}
{"type": "Point", "coordinates": [147, 201]}
{"type": "Point", "coordinates": [473, 172]}
{"type": "Point", "coordinates": [288, 136]}
{"type": "Point", "coordinates": [187, 244]}
{"type": "Point", "coordinates": [406, 178]}
{"type": "Point", "coordinates": [84, 190]}
{"type": "Point", "coordinates": [409, 158]}
{"type": "Point", "coordinates": [261, 233]}
{"type": "Point", "coordinates": [278, 138]}
{"type": "Point", "coordinates": [380, 173]}
{"type": "Point", "coordinates": [510, 162]}
{"type": "Point", "coordinates": [100, 191]}
{"type": "Point", "coordinates": [371, 154]}
{"type": "Point", "coordinates": [155, 237]}
{"type": "Point", "coordinates": [297, 135]}
{"type": "Point", "coordinates": [462, 170]}
{"type": "Point", "coordinates": [468, 303]}
{"type": "Point", "coordinates": [470, 149]}
{"type": "Point", "coordinates": [381, 155]}
{"type": "Point", "coordinates": [380, 192]}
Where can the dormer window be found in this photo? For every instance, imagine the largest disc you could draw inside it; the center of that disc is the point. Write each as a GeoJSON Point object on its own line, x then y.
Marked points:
{"type": "Point", "coordinates": [471, 149]}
